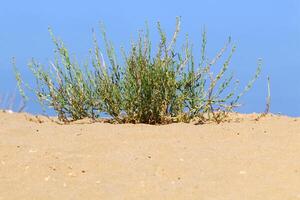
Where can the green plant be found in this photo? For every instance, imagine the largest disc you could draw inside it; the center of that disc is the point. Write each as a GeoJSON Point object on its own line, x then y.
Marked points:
{"type": "Point", "coordinates": [64, 86]}
{"type": "Point", "coordinates": [148, 87]}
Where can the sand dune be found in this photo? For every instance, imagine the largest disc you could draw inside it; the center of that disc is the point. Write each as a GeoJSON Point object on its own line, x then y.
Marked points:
{"type": "Point", "coordinates": [243, 159]}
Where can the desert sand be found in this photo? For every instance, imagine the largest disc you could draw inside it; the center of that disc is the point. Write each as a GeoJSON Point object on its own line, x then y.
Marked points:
{"type": "Point", "coordinates": [242, 159]}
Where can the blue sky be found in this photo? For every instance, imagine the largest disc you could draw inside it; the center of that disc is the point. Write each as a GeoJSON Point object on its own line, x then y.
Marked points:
{"type": "Point", "coordinates": [267, 29]}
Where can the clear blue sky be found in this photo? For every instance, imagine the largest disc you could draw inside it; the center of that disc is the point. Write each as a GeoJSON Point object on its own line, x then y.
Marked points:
{"type": "Point", "coordinates": [267, 29]}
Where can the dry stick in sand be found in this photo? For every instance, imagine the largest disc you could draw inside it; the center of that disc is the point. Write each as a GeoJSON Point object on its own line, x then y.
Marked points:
{"type": "Point", "coordinates": [268, 102]}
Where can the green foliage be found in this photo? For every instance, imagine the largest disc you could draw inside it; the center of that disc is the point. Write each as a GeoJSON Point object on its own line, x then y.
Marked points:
{"type": "Point", "coordinates": [65, 86]}
{"type": "Point", "coordinates": [148, 87]}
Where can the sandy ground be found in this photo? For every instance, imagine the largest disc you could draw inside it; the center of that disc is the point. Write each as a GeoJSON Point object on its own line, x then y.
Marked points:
{"type": "Point", "coordinates": [244, 159]}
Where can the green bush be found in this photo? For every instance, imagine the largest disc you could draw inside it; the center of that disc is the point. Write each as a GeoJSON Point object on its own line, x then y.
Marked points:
{"type": "Point", "coordinates": [148, 87]}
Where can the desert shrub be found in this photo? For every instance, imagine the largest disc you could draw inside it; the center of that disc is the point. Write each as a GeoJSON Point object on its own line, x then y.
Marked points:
{"type": "Point", "coordinates": [64, 86]}
{"type": "Point", "coordinates": [108, 80]}
{"type": "Point", "coordinates": [147, 87]}
{"type": "Point", "coordinates": [212, 96]}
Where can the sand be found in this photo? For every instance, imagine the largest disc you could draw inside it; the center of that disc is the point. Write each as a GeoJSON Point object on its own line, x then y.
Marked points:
{"type": "Point", "coordinates": [243, 159]}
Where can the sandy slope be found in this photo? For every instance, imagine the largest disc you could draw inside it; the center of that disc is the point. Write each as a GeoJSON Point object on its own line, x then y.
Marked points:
{"type": "Point", "coordinates": [239, 160]}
